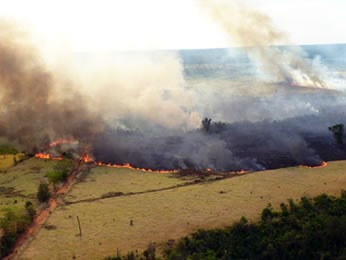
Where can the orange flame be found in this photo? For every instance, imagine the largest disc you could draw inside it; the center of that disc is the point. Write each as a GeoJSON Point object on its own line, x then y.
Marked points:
{"type": "Point", "coordinates": [86, 158]}
{"type": "Point", "coordinates": [47, 156]}
{"type": "Point", "coordinates": [241, 172]}
{"type": "Point", "coordinates": [129, 166]}
{"type": "Point", "coordinates": [42, 155]}
{"type": "Point", "coordinates": [323, 164]}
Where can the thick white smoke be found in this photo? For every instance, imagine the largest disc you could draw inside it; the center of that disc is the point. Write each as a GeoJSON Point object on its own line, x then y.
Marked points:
{"type": "Point", "coordinates": [144, 86]}
{"type": "Point", "coordinates": [255, 30]}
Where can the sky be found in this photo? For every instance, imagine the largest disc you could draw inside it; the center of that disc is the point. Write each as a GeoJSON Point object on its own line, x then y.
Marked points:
{"type": "Point", "coordinates": [107, 25]}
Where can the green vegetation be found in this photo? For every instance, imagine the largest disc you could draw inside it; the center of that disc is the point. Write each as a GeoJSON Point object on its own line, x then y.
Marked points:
{"type": "Point", "coordinates": [13, 223]}
{"type": "Point", "coordinates": [60, 172]}
{"type": "Point", "coordinates": [7, 149]}
{"type": "Point", "coordinates": [9, 160]}
{"type": "Point", "coordinates": [43, 193]}
{"type": "Point", "coordinates": [56, 177]}
{"type": "Point", "coordinates": [20, 189]}
{"type": "Point", "coordinates": [311, 229]}
{"type": "Point", "coordinates": [30, 209]}
{"type": "Point", "coordinates": [157, 216]}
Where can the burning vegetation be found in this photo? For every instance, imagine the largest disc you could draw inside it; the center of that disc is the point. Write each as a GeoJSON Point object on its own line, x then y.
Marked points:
{"type": "Point", "coordinates": [145, 111]}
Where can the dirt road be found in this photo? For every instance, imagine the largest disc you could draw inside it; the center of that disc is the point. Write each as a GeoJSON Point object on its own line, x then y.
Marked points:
{"type": "Point", "coordinates": [42, 217]}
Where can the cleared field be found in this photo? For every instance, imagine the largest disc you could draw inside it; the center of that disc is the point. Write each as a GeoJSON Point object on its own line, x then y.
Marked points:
{"type": "Point", "coordinates": [169, 214]}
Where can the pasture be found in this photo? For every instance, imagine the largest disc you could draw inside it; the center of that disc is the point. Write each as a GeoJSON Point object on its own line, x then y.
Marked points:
{"type": "Point", "coordinates": [164, 214]}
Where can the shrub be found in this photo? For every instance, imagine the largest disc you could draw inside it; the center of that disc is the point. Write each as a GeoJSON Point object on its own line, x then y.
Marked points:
{"type": "Point", "coordinates": [56, 177]}
{"type": "Point", "coordinates": [43, 194]}
{"type": "Point", "coordinates": [13, 223]}
{"type": "Point", "coordinates": [29, 207]}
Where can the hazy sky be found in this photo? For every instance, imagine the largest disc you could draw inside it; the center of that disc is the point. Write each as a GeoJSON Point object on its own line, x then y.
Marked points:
{"type": "Point", "coordinates": [93, 25]}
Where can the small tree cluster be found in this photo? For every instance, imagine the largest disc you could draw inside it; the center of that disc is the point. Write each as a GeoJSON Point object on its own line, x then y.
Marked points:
{"type": "Point", "coordinates": [60, 172]}
{"type": "Point", "coordinates": [56, 177]}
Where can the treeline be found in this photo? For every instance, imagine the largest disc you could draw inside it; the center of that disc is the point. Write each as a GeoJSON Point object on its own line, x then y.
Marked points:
{"type": "Point", "coordinates": [312, 228]}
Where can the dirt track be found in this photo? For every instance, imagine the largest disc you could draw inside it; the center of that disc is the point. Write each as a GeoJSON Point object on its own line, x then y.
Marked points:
{"type": "Point", "coordinates": [42, 217]}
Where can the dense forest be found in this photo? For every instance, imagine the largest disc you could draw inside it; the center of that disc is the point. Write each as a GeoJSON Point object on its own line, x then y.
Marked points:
{"type": "Point", "coordinates": [311, 228]}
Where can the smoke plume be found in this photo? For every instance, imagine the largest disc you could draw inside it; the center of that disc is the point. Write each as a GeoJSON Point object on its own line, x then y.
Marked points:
{"type": "Point", "coordinates": [146, 108]}
{"type": "Point", "coordinates": [254, 29]}
{"type": "Point", "coordinates": [31, 110]}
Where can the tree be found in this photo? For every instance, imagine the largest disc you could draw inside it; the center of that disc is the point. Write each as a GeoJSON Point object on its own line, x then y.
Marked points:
{"type": "Point", "coordinates": [60, 172]}
{"type": "Point", "coordinates": [43, 193]}
{"type": "Point", "coordinates": [56, 177]}
{"type": "Point", "coordinates": [29, 207]}
{"type": "Point", "coordinates": [338, 132]}
{"type": "Point", "coordinates": [206, 122]}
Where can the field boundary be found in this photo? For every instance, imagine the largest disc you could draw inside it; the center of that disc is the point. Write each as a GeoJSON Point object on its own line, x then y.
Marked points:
{"type": "Point", "coordinates": [110, 195]}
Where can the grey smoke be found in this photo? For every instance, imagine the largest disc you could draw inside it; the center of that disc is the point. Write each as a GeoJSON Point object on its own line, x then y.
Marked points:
{"type": "Point", "coordinates": [32, 113]}
{"type": "Point", "coordinates": [249, 27]}
{"type": "Point", "coordinates": [146, 109]}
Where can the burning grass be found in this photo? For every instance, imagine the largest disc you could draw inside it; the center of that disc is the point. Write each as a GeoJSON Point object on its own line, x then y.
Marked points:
{"type": "Point", "coordinates": [169, 214]}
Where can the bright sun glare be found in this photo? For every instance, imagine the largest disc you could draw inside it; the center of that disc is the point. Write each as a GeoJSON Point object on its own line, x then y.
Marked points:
{"type": "Point", "coordinates": [104, 25]}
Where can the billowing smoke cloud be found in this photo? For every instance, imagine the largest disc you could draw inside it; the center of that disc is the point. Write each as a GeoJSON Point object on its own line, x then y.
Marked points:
{"type": "Point", "coordinates": [254, 29]}
{"type": "Point", "coordinates": [40, 102]}
{"type": "Point", "coordinates": [241, 145]}
{"type": "Point", "coordinates": [31, 111]}
{"type": "Point", "coordinates": [146, 108]}
{"type": "Point", "coordinates": [141, 87]}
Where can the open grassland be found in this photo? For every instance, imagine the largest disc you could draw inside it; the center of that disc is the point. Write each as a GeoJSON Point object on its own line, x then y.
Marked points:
{"type": "Point", "coordinates": [19, 183]}
{"type": "Point", "coordinates": [167, 214]}
{"type": "Point", "coordinates": [103, 180]}
{"type": "Point", "coordinates": [8, 160]}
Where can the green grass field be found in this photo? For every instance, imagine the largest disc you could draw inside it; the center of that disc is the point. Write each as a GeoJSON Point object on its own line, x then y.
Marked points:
{"type": "Point", "coordinates": [168, 214]}
{"type": "Point", "coordinates": [102, 180]}
{"type": "Point", "coordinates": [20, 183]}
{"type": "Point", "coordinates": [8, 160]}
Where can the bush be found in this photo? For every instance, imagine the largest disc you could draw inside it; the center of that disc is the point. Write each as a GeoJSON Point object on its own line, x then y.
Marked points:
{"type": "Point", "coordinates": [60, 172]}
{"type": "Point", "coordinates": [29, 207]}
{"type": "Point", "coordinates": [43, 194]}
{"type": "Point", "coordinates": [56, 177]}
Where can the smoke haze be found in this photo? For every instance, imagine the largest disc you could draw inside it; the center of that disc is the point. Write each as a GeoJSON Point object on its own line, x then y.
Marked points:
{"type": "Point", "coordinates": [145, 108]}
{"type": "Point", "coordinates": [32, 112]}
{"type": "Point", "coordinates": [253, 29]}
